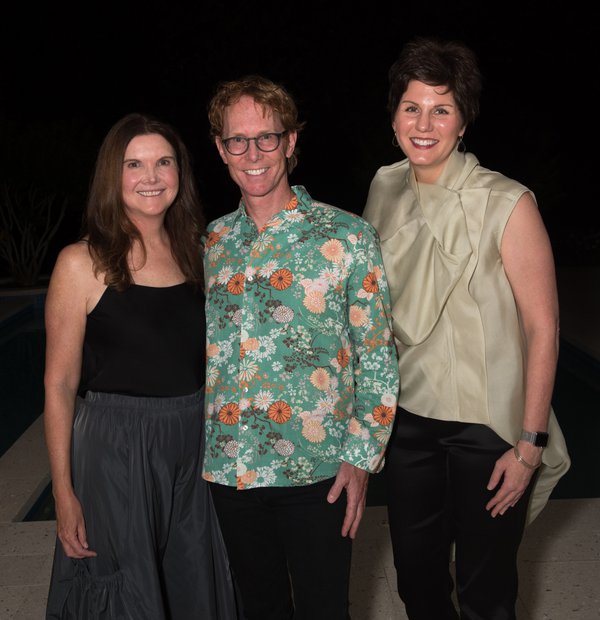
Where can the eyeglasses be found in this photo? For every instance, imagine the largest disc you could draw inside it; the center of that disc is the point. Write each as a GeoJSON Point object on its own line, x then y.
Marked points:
{"type": "Point", "coordinates": [266, 142]}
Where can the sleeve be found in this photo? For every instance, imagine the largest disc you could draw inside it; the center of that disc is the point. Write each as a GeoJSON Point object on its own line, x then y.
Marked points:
{"type": "Point", "coordinates": [374, 355]}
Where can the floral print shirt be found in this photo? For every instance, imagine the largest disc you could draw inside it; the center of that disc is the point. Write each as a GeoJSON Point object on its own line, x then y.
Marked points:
{"type": "Point", "coordinates": [302, 370]}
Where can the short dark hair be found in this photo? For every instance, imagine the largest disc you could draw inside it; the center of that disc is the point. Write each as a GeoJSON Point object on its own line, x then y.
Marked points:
{"type": "Point", "coordinates": [438, 62]}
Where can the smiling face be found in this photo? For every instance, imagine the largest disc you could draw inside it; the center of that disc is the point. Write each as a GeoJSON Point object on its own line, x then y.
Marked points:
{"type": "Point", "coordinates": [261, 176]}
{"type": "Point", "coordinates": [427, 125]}
{"type": "Point", "coordinates": [150, 180]}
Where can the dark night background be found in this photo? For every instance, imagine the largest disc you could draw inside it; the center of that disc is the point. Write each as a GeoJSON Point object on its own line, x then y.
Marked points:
{"type": "Point", "coordinates": [69, 73]}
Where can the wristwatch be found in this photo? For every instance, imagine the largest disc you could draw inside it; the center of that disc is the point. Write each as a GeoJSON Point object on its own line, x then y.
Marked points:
{"type": "Point", "coordinates": [538, 439]}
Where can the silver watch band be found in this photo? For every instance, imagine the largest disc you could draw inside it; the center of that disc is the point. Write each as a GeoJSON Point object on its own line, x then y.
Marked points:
{"type": "Point", "coordinates": [528, 436]}
{"type": "Point", "coordinates": [535, 438]}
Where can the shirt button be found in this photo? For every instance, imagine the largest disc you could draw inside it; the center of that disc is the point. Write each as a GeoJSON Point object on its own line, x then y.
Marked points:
{"type": "Point", "coordinates": [244, 427]}
{"type": "Point", "coordinates": [245, 389]}
{"type": "Point", "coordinates": [250, 278]}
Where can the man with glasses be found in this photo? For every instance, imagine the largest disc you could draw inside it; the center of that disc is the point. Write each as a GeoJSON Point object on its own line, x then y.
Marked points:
{"type": "Point", "coordinates": [302, 373]}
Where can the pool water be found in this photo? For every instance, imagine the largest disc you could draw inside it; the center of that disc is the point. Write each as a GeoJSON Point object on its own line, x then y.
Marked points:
{"type": "Point", "coordinates": [22, 351]}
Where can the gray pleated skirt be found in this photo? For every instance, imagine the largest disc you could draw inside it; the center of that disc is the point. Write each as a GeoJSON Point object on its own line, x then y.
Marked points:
{"type": "Point", "coordinates": [136, 466]}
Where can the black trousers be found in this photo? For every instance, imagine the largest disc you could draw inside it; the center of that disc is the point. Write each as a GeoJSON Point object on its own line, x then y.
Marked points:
{"type": "Point", "coordinates": [286, 551]}
{"type": "Point", "coordinates": [436, 476]}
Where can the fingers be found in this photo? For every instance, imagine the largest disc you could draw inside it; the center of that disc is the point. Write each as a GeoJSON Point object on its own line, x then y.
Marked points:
{"type": "Point", "coordinates": [351, 506]}
{"type": "Point", "coordinates": [335, 491]}
{"type": "Point", "coordinates": [500, 503]}
{"type": "Point", "coordinates": [355, 481]}
{"type": "Point", "coordinates": [353, 517]}
{"type": "Point", "coordinates": [495, 477]}
{"type": "Point", "coordinates": [508, 495]}
{"type": "Point", "coordinates": [513, 479]}
{"type": "Point", "coordinates": [356, 522]}
{"type": "Point", "coordinates": [74, 549]}
{"type": "Point", "coordinates": [74, 542]}
{"type": "Point", "coordinates": [82, 538]}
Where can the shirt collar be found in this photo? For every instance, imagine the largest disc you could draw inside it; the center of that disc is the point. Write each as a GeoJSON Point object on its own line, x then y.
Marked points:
{"type": "Point", "coordinates": [301, 201]}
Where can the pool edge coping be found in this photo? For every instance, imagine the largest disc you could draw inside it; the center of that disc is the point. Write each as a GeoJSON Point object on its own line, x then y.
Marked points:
{"type": "Point", "coordinates": [24, 473]}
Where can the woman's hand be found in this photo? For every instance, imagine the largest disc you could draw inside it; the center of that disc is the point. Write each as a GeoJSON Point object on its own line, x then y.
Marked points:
{"type": "Point", "coordinates": [514, 476]}
{"type": "Point", "coordinates": [70, 527]}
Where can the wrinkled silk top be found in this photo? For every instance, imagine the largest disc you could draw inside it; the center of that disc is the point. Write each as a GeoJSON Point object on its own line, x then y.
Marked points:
{"type": "Point", "coordinates": [455, 320]}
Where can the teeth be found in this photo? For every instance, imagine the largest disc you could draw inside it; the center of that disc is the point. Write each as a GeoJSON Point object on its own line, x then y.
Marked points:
{"type": "Point", "coordinates": [255, 171]}
{"type": "Point", "coordinates": [423, 142]}
{"type": "Point", "coordinates": [150, 194]}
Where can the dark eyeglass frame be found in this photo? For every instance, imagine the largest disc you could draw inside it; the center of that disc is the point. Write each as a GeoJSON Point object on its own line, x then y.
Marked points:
{"type": "Point", "coordinates": [279, 134]}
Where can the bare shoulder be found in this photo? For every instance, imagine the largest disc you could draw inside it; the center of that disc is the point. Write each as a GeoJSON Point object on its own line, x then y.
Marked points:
{"type": "Point", "coordinates": [525, 223]}
{"type": "Point", "coordinates": [73, 276]}
{"type": "Point", "coordinates": [526, 203]}
{"type": "Point", "coordinates": [526, 250]}
{"type": "Point", "coordinates": [74, 258]}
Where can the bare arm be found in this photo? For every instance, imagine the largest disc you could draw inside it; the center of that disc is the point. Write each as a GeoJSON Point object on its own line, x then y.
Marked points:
{"type": "Point", "coordinates": [529, 266]}
{"type": "Point", "coordinates": [65, 316]}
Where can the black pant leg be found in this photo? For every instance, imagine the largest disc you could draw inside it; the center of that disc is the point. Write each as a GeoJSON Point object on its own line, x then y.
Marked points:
{"type": "Point", "coordinates": [415, 474]}
{"type": "Point", "coordinates": [256, 553]}
{"type": "Point", "coordinates": [286, 550]}
{"type": "Point", "coordinates": [486, 546]}
{"type": "Point", "coordinates": [319, 557]}
{"type": "Point", "coordinates": [437, 474]}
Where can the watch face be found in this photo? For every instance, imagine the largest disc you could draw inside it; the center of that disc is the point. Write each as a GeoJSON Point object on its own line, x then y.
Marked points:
{"type": "Point", "coordinates": [541, 440]}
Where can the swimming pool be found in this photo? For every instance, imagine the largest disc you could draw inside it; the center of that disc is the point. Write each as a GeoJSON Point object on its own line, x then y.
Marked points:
{"type": "Point", "coordinates": [22, 351]}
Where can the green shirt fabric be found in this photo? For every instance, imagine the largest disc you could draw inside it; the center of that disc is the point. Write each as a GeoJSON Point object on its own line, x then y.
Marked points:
{"type": "Point", "coordinates": [302, 371]}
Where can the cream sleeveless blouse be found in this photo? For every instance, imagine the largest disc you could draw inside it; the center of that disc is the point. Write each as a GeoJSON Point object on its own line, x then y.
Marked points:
{"type": "Point", "coordinates": [455, 320]}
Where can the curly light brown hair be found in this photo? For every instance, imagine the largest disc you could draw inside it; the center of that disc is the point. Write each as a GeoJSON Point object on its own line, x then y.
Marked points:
{"type": "Point", "coordinates": [269, 95]}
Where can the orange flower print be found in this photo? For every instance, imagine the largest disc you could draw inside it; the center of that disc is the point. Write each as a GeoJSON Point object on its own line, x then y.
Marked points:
{"type": "Point", "coordinates": [343, 358]}
{"type": "Point", "coordinates": [370, 283]}
{"type": "Point", "coordinates": [212, 238]}
{"type": "Point", "coordinates": [313, 431]}
{"type": "Point", "coordinates": [315, 302]}
{"type": "Point", "coordinates": [281, 279]}
{"type": "Point", "coordinates": [236, 284]}
{"type": "Point", "coordinates": [354, 427]}
{"type": "Point", "coordinates": [229, 414]}
{"type": "Point", "coordinates": [358, 317]}
{"type": "Point", "coordinates": [251, 344]}
{"type": "Point", "coordinates": [383, 414]}
{"type": "Point", "coordinates": [248, 478]}
{"type": "Point", "coordinates": [292, 204]}
{"type": "Point", "coordinates": [280, 412]}
{"type": "Point", "coordinates": [333, 250]}
{"type": "Point", "coordinates": [320, 379]}
{"type": "Point", "coordinates": [212, 350]}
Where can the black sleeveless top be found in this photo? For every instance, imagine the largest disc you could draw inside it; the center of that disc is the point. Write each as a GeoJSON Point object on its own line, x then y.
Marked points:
{"type": "Point", "coordinates": [145, 341]}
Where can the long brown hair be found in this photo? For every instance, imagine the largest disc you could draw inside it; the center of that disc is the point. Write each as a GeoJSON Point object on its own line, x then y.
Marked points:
{"type": "Point", "coordinates": [108, 230]}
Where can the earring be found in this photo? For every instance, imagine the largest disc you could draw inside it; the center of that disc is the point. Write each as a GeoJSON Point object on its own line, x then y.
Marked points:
{"type": "Point", "coordinates": [395, 141]}
{"type": "Point", "coordinates": [461, 145]}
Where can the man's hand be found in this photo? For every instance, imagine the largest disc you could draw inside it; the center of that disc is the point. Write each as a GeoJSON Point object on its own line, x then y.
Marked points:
{"type": "Point", "coordinates": [355, 481]}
